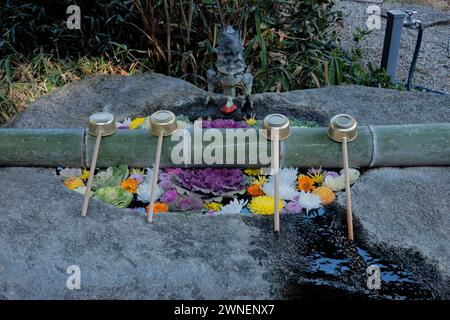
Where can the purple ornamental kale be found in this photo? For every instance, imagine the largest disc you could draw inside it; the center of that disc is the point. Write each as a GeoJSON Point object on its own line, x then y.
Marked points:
{"type": "Point", "coordinates": [212, 181]}
{"type": "Point", "coordinates": [223, 124]}
{"type": "Point", "coordinates": [186, 203]}
{"type": "Point", "coordinates": [169, 196]}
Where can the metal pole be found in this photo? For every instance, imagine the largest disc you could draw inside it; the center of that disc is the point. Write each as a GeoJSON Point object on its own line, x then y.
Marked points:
{"type": "Point", "coordinates": [392, 38]}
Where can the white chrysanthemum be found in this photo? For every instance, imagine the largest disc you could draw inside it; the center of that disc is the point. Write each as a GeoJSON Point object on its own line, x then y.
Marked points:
{"type": "Point", "coordinates": [82, 190]}
{"type": "Point", "coordinates": [335, 183]}
{"type": "Point", "coordinates": [70, 172]}
{"type": "Point", "coordinates": [234, 207]}
{"type": "Point", "coordinates": [146, 124]}
{"type": "Point", "coordinates": [309, 201]}
{"type": "Point", "coordinates": [143, 191]}
{"type": "Point", "coordinates": [287, 176]}
{"type": "Point", "coordinates": [148, 174]}
{"type": "Point", "coordinates": [353, 174]}
{"type": "Point", "coordinates": [287, 192]}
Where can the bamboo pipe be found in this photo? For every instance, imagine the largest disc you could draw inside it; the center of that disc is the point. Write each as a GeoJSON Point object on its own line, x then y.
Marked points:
{"type": "Point", "coordinates": [376, 146]}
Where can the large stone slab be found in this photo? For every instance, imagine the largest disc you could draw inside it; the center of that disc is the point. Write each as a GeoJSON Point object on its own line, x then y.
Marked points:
{"type": "Point", "coordinates": [406, 208]}
{"type": "Point", "coordinates": [120, 255]}
{"type": "Point", "coordinates": [140, 95]}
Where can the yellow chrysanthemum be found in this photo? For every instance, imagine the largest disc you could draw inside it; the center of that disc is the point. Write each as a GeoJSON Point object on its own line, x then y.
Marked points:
{"type": "Point", "coordinates": [84, 174]}
{"type": "Point", "coordinates": [137, 171]}
{"type": "Point", "coordinates": [264, 205]}
{"type": "Point", "coordinates": [251, 121]}
{"type": "Point", "coordinates": [136, 123]}
{"type": "Point", "coordinates": [259, 180]}
{"type": "Point", "coordinates": [318, 178]}
{"type": "Point", "coordinates": [326, 195]}
{"type": "Point", "coordinates": [252, 172]}
{"type": "Point", "coordinates": [74, 183]}
{"type": "Point", "coordinates": [130, 185]}
{"type": "Point", "coordinates": [213, 206]}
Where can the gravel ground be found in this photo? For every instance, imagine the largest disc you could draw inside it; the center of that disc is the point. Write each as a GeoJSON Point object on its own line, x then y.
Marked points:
{"type": "Point", "coordinates": [433, 65]}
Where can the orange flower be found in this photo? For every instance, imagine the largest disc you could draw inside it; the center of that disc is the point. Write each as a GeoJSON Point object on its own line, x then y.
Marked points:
{"type": "Point", "coordinates": [305, 183]}
{"type": "Point", "coordinates": [159, 207]}
{"type": "Point", "coordinates": [130, 185]}
{"type": "Point", "coordinates": [326, 195]}
{"type": "Point", "coordinates": [255, 190]}
{"type": "Point", "coordinates": [74, 183]}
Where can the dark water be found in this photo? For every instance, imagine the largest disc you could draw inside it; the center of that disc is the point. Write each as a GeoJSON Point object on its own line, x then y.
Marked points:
{"type": "Point", "coordinates": [334, 260]}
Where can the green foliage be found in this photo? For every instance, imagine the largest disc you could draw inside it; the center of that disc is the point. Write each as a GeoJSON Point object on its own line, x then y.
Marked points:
{"type": "Point", "coordinates": [289, 44]}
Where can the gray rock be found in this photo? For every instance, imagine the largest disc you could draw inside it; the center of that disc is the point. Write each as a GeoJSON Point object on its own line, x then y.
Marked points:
{"type": "Point", "coordinates": [140, 95]}
{"type": "Point", "coordinates": [71, 105]}
{"type": "Point", "coordinates": [120, 255]}
{"type": "Point", "coordinates": [407, 208]}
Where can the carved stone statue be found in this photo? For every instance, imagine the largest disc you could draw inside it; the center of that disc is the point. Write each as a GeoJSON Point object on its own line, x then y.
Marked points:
{"type": "Point", "coordinates": [230, 68]}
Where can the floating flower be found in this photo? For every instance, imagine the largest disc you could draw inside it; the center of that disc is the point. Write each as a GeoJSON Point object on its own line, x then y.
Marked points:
{"type": "Point", "coordinates": [124, 124]}
{"type": "Point", "coordinates": [326, 195]}
{"type": "Point", "coordinates": [70, 172]}
{"type": "Point", "coordinates": [315, 171]}
{"type": "Point", "coordinates": [218, 182]}
{"type": "Point", "coordinates": [293, 207]}
{"type": "Point", "coordinates": [255, 190]}
{"type": "Point", "coordinates": [331, 174]}
{"type": "Point", "coordinates": [82, 190]}
{"type": "Point", "coordinates": [137, 174]}
{"type": "Point", "coordinates": [234, 207]}
{"type": "Point", "coordinates": [286, 176]}
{"type": "Point", "coordinates": [251, 121]}
{"type": "Point", "coordinates": [136, 123]}
{"type": "Point", "coordinates": [146, 124]}
{"type": "Point", "coordinates": [353, 174]}
{"type": "Point", "coordinates": [317, 175]}
{"type": "Point", "coordinates": [260, 180]}
{"type": "Point", "coordinates": [130, 185]}
{"type": "Point", "coordinates": [169, 196]}
{"type": "Point", "coordinates": [309, 201]}
{"type": "Point", "coordinates": [159, 207]}
{"type": "Point", "coordinates": [213, 206]}
{"type": "Point", "coordinates": [111, 177]}
{"type": "Point", "coordinates": [264, 205]}
{"type": "Point", "coordinates": [115, 196]}
{"type": "Point", "coordinates": [186, 203]}
{"type": "Point", "coordinates": [335, 183]}
{"type": "Point", "coordinates": [143, 191]}
{"type": "Point", "coordinates": [305, 183]}
{"type": "Point", "coordinates": [73, 183]}
{"type": "Point", "coordinates": [252, 172]}
{"type": "Point", "coordinates": [84, 175]}
{"type": "Point", "coordinates": [287, 192]}
{"type": "Point", "coordinates": [139, 178]}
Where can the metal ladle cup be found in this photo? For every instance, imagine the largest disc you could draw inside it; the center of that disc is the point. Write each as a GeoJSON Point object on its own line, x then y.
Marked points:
{"type": "Point", "coordinates": [277, 127]}
{"type": "Point", "coordinates": [101, 124]}
{"type": "Point", "coordinates": [343, 128]}
{"type": "Point", "coordinates": [162, 123]}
